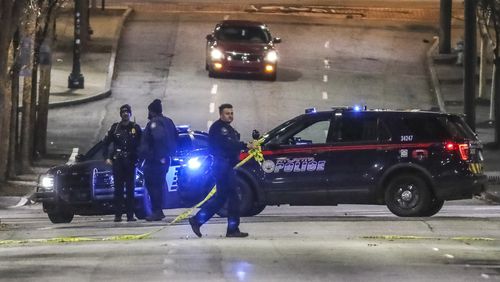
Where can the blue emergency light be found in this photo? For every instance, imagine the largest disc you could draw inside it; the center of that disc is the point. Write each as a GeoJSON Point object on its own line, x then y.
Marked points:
{"type": "Point", "coordinates": [310, 110]}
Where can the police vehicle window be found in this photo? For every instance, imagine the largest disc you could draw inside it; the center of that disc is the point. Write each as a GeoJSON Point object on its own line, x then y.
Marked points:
{"type": "Point", "coordinates": [315, 133]}
{"type": "Point", "coordinates": [457, 128]}
{"type": "Point", "coordinates": [423, 128]}
{"type": "Point", "coordinates": [357, 129]}
{"type": "Point", "coordinates": [384, 134]}
{"type": "Point", "coordinates": [95, 153]}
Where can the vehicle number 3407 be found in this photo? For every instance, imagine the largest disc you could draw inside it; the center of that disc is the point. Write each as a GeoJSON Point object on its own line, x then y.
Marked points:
{"type": "Point", "coordinates": [406, 138]}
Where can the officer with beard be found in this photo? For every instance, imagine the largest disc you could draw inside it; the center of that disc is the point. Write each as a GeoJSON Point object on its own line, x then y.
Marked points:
{"type": "Point", "coordinates": [158, 145]}
{"type": "Point", "coordinates": [125, 137]}
{"type": "Point", "coordinates": [225, 145]}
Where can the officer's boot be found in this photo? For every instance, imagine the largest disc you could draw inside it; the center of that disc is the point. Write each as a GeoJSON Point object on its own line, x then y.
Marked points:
{"type": "Point", "coordinates": [236, 234]}
{"type": "Point", "coordinates": [195, 226]}
{"type": "Point", "coordinates": [130, 217]}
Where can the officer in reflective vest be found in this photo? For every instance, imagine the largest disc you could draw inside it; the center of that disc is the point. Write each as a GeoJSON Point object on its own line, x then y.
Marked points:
{"type": "Point", "coordinates": [125, 137]}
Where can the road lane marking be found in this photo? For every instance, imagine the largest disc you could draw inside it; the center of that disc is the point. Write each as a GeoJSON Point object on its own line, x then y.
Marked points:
{"type": "Point", "coordinates": [435, 249]}
{"type": "Point", "coordinates": [327, 63]}
{"type": "Point", "coordinates": [327, 44]}
{"type": "Point", "coordinates": [325, 95]}
{"type": "Point", "coordinates": [485, 276]}
{"type": "Point", "coordinates": [325, 78]}
{"type": "Point", "coordinates": [226, 17]}
{"type": "Point", "coordinates": [214, 89]}
{"type": "Point", "coordinates": [212, 108]}
{"type": "Point", "coordinates": [209, 123]}
{"type": "Point", "coordinates": [449, 256]}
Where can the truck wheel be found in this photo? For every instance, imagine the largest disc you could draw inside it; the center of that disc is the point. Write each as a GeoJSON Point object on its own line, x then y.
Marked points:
{"type": "Point", "coordinates": [61, 216]}
{"type": "Point", "coordinates": [434, 207]}
{"type": "Point", "coordinates": [143, 205]}
{"type": "Point", "coordinates": [245, 194]}
{"type": "Point", "coordinates": [408, 195]}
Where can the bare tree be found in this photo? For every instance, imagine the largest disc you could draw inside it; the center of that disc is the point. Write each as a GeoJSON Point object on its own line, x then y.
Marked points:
{"type": "Point", "coordinates": [489, 19]}
{"type": "Point", "coordinates": [10, 11]}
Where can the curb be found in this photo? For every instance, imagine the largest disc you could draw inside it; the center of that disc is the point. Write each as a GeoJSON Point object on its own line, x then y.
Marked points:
{"type": "Point", "coordinates": [111, 68]}
{"type": "Point", "coordinates": [434, 81]}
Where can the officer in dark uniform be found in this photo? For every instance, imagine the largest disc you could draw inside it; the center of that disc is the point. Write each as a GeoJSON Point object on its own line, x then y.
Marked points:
{"type": "Point", "coordinates": [225, 146]}
{"type": "Point", "coordinates": [158, 145]}
{"type": "Point", "coordinates": [125, 137]}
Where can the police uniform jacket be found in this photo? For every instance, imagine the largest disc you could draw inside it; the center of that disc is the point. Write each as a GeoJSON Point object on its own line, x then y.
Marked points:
{"type": "Point", "coordinates": [224, 142]}
{"type": "Point", "coordinates": [125, 139]}
{"type": "Point", "coordinates": [159, 140]}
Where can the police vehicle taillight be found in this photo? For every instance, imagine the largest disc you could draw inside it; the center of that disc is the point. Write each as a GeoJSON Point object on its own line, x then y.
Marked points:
{"type": "Point", "coordinates": [462, 148]}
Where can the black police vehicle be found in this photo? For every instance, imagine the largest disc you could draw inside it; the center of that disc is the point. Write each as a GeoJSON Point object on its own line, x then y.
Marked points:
{"type": "Point", "coordinates": [86, 186]}
{"type": "Point", "coordinates": [411, 161]}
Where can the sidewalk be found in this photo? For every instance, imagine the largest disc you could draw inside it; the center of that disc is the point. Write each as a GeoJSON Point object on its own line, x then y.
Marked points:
{"type": "Point", "coordinates": [97, 63]}
{"type": "Point", "coordinates": [97, 67]}
{"type": "Point", "coordinates": [446, 78]}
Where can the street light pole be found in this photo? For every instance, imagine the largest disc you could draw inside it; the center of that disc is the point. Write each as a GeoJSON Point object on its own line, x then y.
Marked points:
{"type": "Point", "coordinates": [76, 79]}
{"type": "Point", "coordinates": [470, 57]}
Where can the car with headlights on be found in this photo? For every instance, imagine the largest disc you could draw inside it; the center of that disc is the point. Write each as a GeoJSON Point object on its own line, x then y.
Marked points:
{"type": "Point", "coordinates": [85, 187]}
{"type": "Point", "coordinates": [241, 47]}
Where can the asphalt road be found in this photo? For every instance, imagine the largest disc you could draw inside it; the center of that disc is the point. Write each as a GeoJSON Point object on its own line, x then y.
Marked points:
{"type": "Point", "coordinates": [324, 62]}
{"type": "Point", "coordinates": [344, 243]}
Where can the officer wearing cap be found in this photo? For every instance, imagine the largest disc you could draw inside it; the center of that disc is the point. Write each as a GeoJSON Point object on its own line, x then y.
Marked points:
{"type": "Point", "coordinates": [225, 146]}
{"type": "Point", "coordinates": [158, 145]}
{"type": "Point", "coordinates": [125, 137]}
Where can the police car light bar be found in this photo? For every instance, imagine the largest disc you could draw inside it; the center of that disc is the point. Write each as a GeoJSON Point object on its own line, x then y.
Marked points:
{"type": "Point", "coordinates": [183, 128]}
{"type": "Point", "coordinates": [310, 110]}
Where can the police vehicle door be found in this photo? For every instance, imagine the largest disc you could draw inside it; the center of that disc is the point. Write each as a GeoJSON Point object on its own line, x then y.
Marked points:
{"type": "Point", "coordinates": [295, 166]}
{"type": "Point", "coordinates": [356, 156]}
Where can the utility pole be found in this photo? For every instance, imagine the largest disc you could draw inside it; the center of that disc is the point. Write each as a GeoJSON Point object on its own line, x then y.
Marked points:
{"type": "Point", "coordinates": [470, 63]}
{"type": "Point", "coordinates": [445, 27]}
{"type": "Point", "coordinates": [76, 79]}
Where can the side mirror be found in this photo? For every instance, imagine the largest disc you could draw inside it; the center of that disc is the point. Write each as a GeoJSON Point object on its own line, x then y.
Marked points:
{"type": "Point", "coordinates": [79, 158]}
{"type": "Point", "coordinates": [255, 134]}
{"type": "Point", "coordinates": [276, 40]}
{"type": "Point", "coordinates": [210, 37]}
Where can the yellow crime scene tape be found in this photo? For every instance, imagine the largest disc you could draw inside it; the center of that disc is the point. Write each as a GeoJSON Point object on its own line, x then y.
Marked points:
{"type": "Point", "coordinates": [410, 237]}
{"type": "Point", "coordinates": [255, 153]}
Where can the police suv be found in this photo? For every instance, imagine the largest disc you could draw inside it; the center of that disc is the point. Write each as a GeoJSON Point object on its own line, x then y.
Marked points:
{"type": "Point", "coordinates": [86, 187]}
{"type": "Point", "coordinates": [412, 161]}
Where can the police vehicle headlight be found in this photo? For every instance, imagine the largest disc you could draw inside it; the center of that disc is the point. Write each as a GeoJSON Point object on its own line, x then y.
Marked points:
{"type": "Point", "coordinates": [194, 163]}
{"type": "Point", "coordinates": [271, 56]}
{"type": "Point", "coordinates": [216, 54]}
{"type": "Point", "coordinates": [46, 182]}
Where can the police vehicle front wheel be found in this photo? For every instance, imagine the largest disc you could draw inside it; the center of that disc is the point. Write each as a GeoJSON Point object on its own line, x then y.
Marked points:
{"type": "Point", "coordinates": [246, 197]}
{"type": "Point", "coordinates": [60, 216]}
{"type": "Point", "coordinates": [408, 195]}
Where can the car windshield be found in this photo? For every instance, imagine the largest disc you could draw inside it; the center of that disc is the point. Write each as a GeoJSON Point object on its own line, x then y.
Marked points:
{"type": "Point", "coordinates": [279, 129]}
{"type": "Point", "coordinates": [253, 34]}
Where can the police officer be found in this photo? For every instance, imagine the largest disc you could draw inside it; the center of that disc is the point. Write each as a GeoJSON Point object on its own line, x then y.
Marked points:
{"type": "Point", "coordinates": [225, 146]}
{"type": "Point", "coordinates": [125, 137]}
{"type": "Point", "coordinates": [158, 144]}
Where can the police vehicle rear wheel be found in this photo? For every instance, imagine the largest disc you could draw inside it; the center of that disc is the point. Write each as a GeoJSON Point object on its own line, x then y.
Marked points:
{"type": "Point", "coordinates": [408, 195]}
{"type": "Point", "coordinates": [256, 209]}
{"type": "Point", "coordinates": [434, 207]}
{"type": "Point", "coordinates": [60, 216]}
{"type": "Point", "coordinates": [245, 194]}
